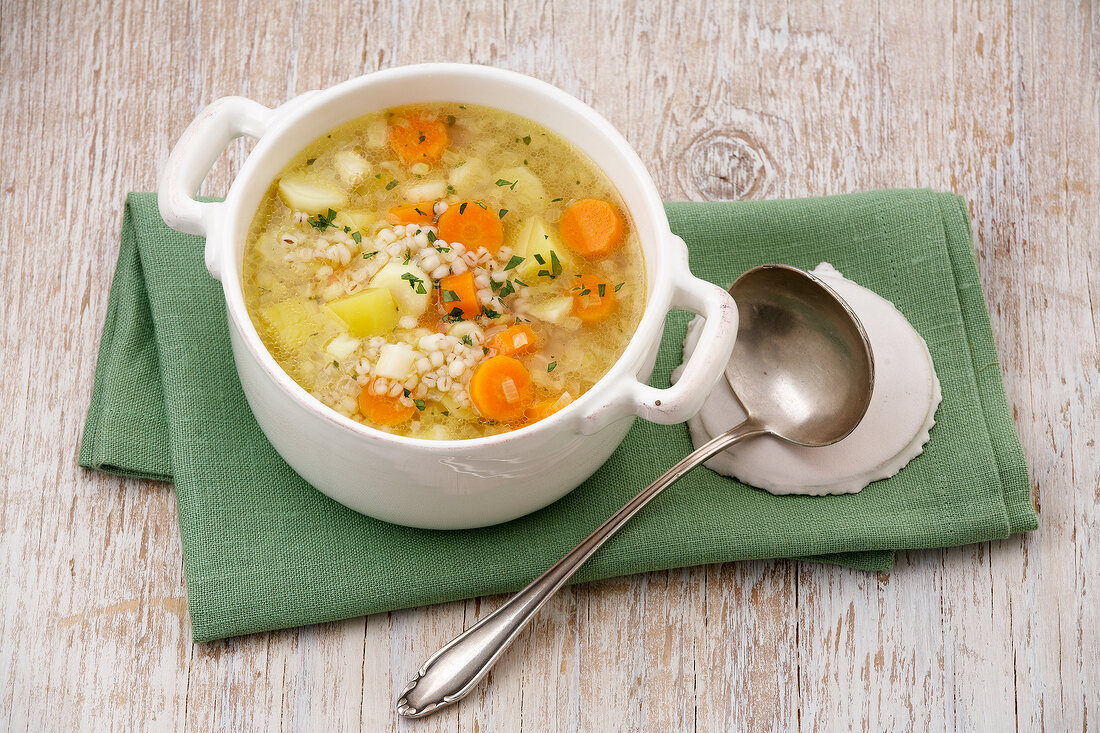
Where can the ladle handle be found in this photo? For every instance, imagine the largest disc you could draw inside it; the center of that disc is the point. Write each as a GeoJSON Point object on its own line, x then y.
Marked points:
{"type": "Point", "coordinates": [452, 672]}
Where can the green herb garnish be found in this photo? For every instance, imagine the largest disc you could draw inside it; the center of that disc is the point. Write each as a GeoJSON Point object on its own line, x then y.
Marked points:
{"type": "Point", "coordinates": [415, 283]}
{"type": "Point", "coordinates": [619, 286]}
{"type": "Point", "coordinates": [368, 255]}
{"type": "Point", "coordinates": [420, 405]}
{"type": "Point", "coordinates": [323, 221]}
{"type": "Point", "coordinates": [514, 262]}
{"type": "Point", "coordinates": [462, 208]}
{"type": "Point", "coordinates": [391, 185]}
{"type": "Point", "coordinates": [501, 213]}
{"type": "Point", "coordinates": [450, 296]}
{"type": "Point", "coordinates": [432, 237]}
{"type": "Point", "coordinates": [526, 139]}
{"type": "Point", "coordinates": [357, 237]}
{"type": "Point", "coordinates": [551, 366]}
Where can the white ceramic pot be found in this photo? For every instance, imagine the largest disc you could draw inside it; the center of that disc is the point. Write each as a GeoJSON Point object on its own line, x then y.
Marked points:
{"type": "Point", "coordinates": [425, 483]}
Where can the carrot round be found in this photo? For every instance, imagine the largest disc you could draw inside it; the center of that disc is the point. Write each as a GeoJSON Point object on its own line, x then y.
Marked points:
{"type": "Point", "coordinates": [592, 228]}
{"type": "Point", "coordinates": [513, 341]}
{"type": "Point", "coordinates": [417, 139]}
{"type": "Point", "coordinates": [419, 213]}
{"type": "Point", "coordinates": [472, 224]}
{"type": "Point", "coordinates": [501, 389]}
{"type": "Point", "coordinates": [459, 291]}
{"type": "Point", "coordinates": [383, 409]}
{"type": "Point", "coordinates": [593, 298]}
{"type": "Point", "coordinates": [547, 407]}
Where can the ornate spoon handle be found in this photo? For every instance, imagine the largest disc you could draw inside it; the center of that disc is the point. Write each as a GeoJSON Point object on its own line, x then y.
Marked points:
{"type": "Point", "coordinates": [452, 672]}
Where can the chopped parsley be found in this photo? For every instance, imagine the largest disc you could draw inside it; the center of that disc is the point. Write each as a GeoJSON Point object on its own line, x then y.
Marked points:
{"type": "Point", "coordinates": [619, 286]}
{"type": "Point", "coordinates": [514, 262]}
{"type": "Point", "coordinates": [501, 213]}
{"type": "Point", "coordinates": [454, 315]}
{"type": "Point", "coordinates": [526, 139]}
{"type": "Point", "coordinates": [467, 340]}
{"type": "Point", "coordinates": [323, 221]}
{"type": "Point", "coordinates": [539, 259]}
{"type": "Point", "coordinates": [551, 366]}
{"type": "Point", "coordinates": [462, 208]}
{"type": "Point", "coordinates": [507, 290]}
{"type": "Point", "coordinates": [357, 237]}
{"type": "Point", "coordinates": [451, 120]}
{"type": "Point", "coordinates": [368, 255]}
{"type": "Point", "coordinates": [489, 312]}
{"type": "Point", "coordinates": [311, 161]}
{"type": "Point", "coordinates": [509, 184]}
{"type": "Point", "coordinates": [415, 283]}
{"type": "Point", "coordinates": [442, 249]}
{"type": "Point", "coordinates": [450, 296]}
{"type": "Point", "coordinates": [554, 201]}
{"type": "Point", "coordinates": [391, 185]}
{"type": "Point", "coordinates": [432, 237]}
{"type": "Point", "coordinates": [451, 189]}
{"type": "Point", "coordinates": [601, 288]}
{"type": "Point", "coordinates": [420, 404]}
{"type": "Point", "coordinates": [336, 364]}
{"type": "Point", "coordinates": [406, 392]}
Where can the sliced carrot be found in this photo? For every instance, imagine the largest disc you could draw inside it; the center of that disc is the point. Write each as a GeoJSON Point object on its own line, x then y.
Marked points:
{"type": "Point", "coordinates": [383, 409]}
{"type": "Point", "coordinates": [547, 407]}
{"type": "Point", "coordinates": [592, 228]}
{"type": "Point", "coordinates": [513, 341]}
{"type": "Point", "coordinates": [417, 139]}
{"type": "Point", "coordinates": [501, 389]}
{"type": "Point", "coordinates": [420, 213]}
{"type": "Point", "coordinates": [593, 298]}
{"type": "Point", "coordinates": [459, 291]}
{"type": "Point", "coordinates": [472, 224]}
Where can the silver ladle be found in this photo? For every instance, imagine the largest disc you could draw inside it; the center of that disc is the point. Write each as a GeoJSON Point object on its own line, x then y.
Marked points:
{"type": "Point", "coordinates": [803, 371]}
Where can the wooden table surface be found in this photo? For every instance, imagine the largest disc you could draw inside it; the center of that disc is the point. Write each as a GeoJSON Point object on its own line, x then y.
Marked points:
{"type": "Point", "coordinates": [1000, 103]}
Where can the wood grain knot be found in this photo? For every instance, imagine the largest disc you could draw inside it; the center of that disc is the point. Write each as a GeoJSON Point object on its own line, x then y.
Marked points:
{"type": "Point", "coordinates": [725, 165]}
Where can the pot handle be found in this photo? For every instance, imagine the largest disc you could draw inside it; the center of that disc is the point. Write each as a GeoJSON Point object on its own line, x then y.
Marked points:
{"type": "Point", "coordinates": [702, 371]}
{"type": "Point", "coordinates": [195, 153]}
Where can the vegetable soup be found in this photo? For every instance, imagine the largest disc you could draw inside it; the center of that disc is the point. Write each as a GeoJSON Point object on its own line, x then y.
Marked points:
{"type": "Point", "coordinates": [444, 271]}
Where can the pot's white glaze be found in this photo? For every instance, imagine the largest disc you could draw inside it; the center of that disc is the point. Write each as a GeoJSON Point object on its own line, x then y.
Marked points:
{"type": "Point", "coordinates": [443, 484]}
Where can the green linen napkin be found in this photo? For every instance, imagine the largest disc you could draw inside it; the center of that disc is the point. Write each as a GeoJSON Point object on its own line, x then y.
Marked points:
{"type": "Point", "coordinates": [263, 550]}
